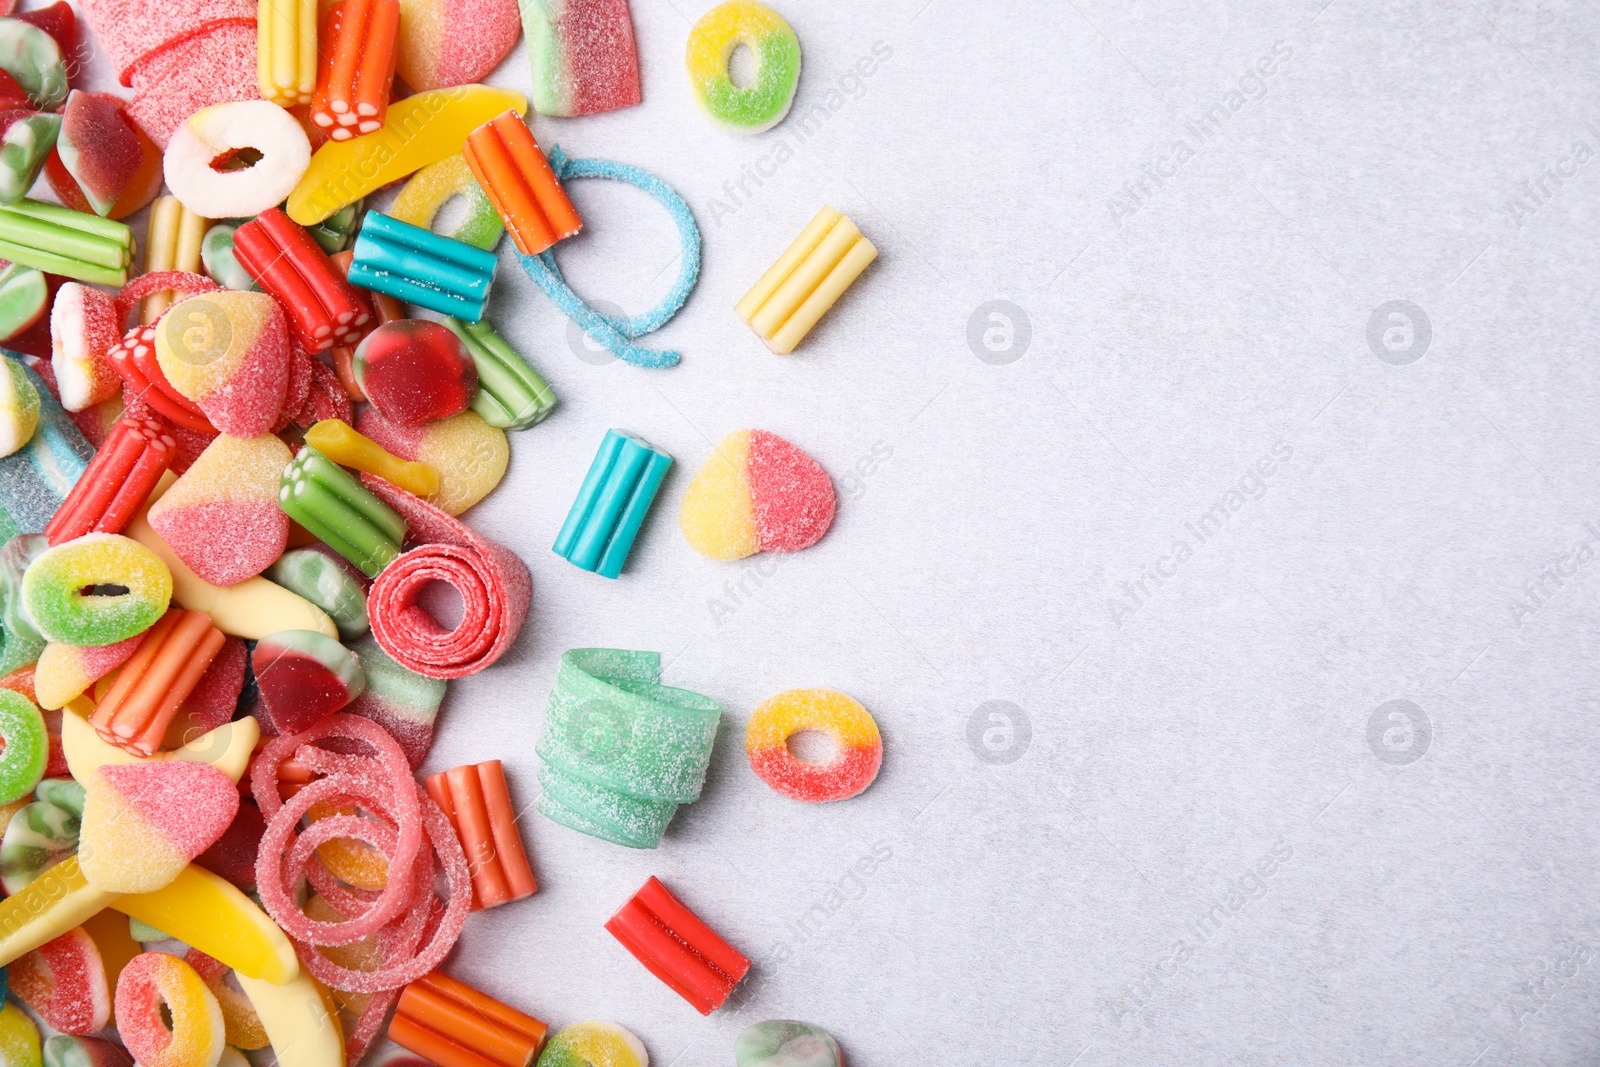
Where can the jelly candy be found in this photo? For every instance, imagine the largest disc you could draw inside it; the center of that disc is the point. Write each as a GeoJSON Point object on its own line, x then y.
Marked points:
{"type": "Point", "coordinates": [287, 43]}
{"type": "Point", "coordinates": [64, 981]}
{"type": "Point", "coordinates": [42, 833]}
{"type": "Point", "coordinates": [509, 165]}
{"type": "Point", "coordinates": [26, 749]}
{"type": "Point", "coordinates": [155, 981]}
{"type": "Point", "coordinates": [62, 241]}
{"type": "Point", "coordinates": [436, 185]}
{"type": "Point", "coordinates": [144, 822]}
{"type": "Point", "coordinates": [323, 308]}
{"type": "Point", "coordinates": [173, 240]}
{"type": "Point", "coordinates": [229, 353]}
{"type": "Point", "coordinates": [233, 855]}
{"type": "Point", "coordinates": [106, 162]}
{"type": "Point", "coordinates": [19, 406]}
{"type": "Point", "coordinates": [232, 487]}
{"type": "Point", "coordinates": [83, 328]}
{"type": "Point", "coordinates": [239, 1019]}
{"type": "Point", "coordinates": [455, 1025]}
{"type": "Point", "coordinates": [232, 128]}
{"type": "Point", "coordinates": [33, 58]}
{"type": "Point", "coordinates": [213, 700]}
{"type": "Point", "coordinates": [401, 701]}
{"type": "Point", "coordinates": [478, 804]}
{"type": "Point", "coordinates": [51, 590]}
{"type": "Point", "coordinates": [24, 146]}
{"type": "Point", "coordinates": [762, 104]}
{"type": "Point", "coordinates": [65, 671]}
{"type": "Point", "coordinates": [786, 1043]}
{"type": "Point", "coordinates": [36, 478]}
{"type": "Point", "coordinates": [304, 677]}
{"type": "Point", "coordinates": [340, 442]}
{"type": "Point", "coordinates": [757, 493]}
{"type": "Point", "coordinates": [813, 272]}
{"type": "Point", "coordinates": [217, 255]}
{"type": "Point", "coordinates": [415, 371]}
{"type": "Point", "coordinates": [611, 504]}
{"type": "Point", "coordinates": [678, 948]}
{"type": "Point", "coordinates": [64, 1050]}
{"type": "Point", "coordinates": [511, 395]}
{"type": "Point", "coordinates": [25, 296]}
{"type": "Point", "coordinates": [208, 66]}
{"type": "Point", "coordinates": [584, 57]}
{"type": "Point", "coordinates": [452, 42]}
{"type": "Point", "coordinates": [19, 1038]}
{"type": "Point", "coordinates": [858, 747]}
{"type": "Point", "coordinates": [142, 703]}
{"type": "Point", "coordinates": [420, 267]}
{"type": "Point", "coordinates": [131, 460]}
{"type": "Point", "coordinates": [469, 456]}
{"type": "Point", "coordinates": [594, 1044]}
{"type": "Point", "coordinates": [340, 512]}
{"type": "Point", "coordinates": [329, 583]}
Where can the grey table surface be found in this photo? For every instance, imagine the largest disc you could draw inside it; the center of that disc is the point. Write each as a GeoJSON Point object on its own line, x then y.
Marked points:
{"type": "Point", "coordinates": [1215, 443]}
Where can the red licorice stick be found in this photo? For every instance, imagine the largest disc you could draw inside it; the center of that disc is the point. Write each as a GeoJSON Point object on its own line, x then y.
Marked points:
{"type": "Point", "coordinates": [678, 948]}
{"type": "Point", "coordinates": [134, 359]}
{"type": "Point", "coordinates": [324, 310]}
{"type": "Point", "coordinates": [120, 476]}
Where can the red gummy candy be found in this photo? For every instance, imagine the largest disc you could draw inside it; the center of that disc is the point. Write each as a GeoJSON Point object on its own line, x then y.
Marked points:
{"type": "Point", "coordinates": [233, 855]}
{"type": "Point", "coordinates": [415, 371]}
{"type": "Point", "coordinates": [295, 672]}
{"type": "Point", "coordinates": [793, 496]}
{"type": "Point", "coordinates": [101, 162]}
{"type": "Point", "coordinates": [215, 66]}
{"type": "Point", "coordinates": [61, 23]}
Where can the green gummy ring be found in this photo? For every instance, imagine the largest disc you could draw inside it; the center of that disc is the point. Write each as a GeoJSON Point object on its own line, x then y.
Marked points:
{"type": "Point", "coordinates": [712, 42]}
{"type": "Point", "coordinates": [52, 590]}
{"type": "Point", "coordinates": [27, 746]}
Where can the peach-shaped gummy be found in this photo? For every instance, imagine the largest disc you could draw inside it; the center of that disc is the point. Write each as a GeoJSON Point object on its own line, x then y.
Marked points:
{"type": "Point", "coordinates": [144, 822]}
{"type": "Point", "coordinates": [717, 515]}
{"type": "Point", "coordinates": [229, 353]}
{"type": "Point", "coordinates": [222, 516]}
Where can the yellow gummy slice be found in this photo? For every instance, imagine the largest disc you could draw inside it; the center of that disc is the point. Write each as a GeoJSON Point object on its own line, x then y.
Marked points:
{"type": "Point", "coordinates": [204, 910]}
{"type": "Point", "coordinates": [470, 456]}
{"type": "Point", "coordinates": [718, 515]}
{"type": "Point", "coordinates": [19, 1038]}
{"type": "Point", "coordinates": [301, 1022]}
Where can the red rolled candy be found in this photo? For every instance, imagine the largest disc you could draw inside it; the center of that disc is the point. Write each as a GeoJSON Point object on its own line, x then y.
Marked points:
{"type": "Point", "coordinates": [678, 947]}
{"type": "Point", "coordinates": [324, 309]}
{"type": "Point", "coordinates": [134, 360]}
{"type": "Point", "coordinates": [494, 586]}
{"type": "Point", "coordinates": [118, 479]}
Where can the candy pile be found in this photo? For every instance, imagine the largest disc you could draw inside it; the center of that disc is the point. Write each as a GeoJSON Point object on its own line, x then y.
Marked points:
{"type": "Point", "coordinates": [231, 473]}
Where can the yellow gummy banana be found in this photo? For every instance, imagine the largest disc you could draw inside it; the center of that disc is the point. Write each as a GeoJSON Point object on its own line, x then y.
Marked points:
{"type": "Point", "coordinates": [48, 907]}
{"type": "Point", "coordinates": [227, 748]}
{"type": "Point", "coordinates": [210, 913]}
{"type": "Point", "coordinates": [301, 1026]}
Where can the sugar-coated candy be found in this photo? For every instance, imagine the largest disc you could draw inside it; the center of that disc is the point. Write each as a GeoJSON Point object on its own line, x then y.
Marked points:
{"type": "Point", "coordinates": [42, 833]}
{"type": "Point", "coordinates": [172, 242]}
{"type": "Point", "coordinates": [155, 981]}
{"type": "Point", "coordinates": [20, 641]}
{"type": "Point", "coordinates": [417, 131]}
{"type": "Point", "coordinates": [229, 353]}
{"type": "Point", "coordinates": [24, 146]}
{"type": "Point", "coordinates": [33, 58]}
{"type": "Point", "coordinates": [515, 174]}
{"type": "Point", "coordinates": [612, 503]}
{"type": "Point", "coordinates": [328, 582]}
{"type": "Point", "coordinates": [323, 308]}
{"type": "Point", "coordinates": [209, 913]}
{"type": "Point", "coordinates": [677, 947]}
{"type": "Point", "coordinates": [468, 454]}
{"type": "Point", "coordinates": [83, 327]}
{"type": "Point", "coordinates": [403, 702]}
{"type": "Point", "coordinates": [152, 685]}
{"type": "Point", "coordinates": [437, 184]}
{"type": "Point", "coordinates": [583, 53]}
{"type": "Point", "coordinates": [304, 677]}
{"type": "Point", "coordinates": [109, 932]}
{"type": "Point", "coordinates": [51, 590]}
{"type": "Point", "coordinates": [340, 512]}
{"type": "Point", "coordinates": [763, 103]}
{"type": "Point", "coordinates": [620, 750]}
{"type": "Point", "coordinates": [213, 700]}
{"type": "Point", "coordinates": [612, 332]}
{"type": "Point", "coordinates": [511, 395]}
{"type": "Point", "coordinates": [445, 43]}
{"type": "Point", "coordinates": [476, 801]}
{"type": "Point", "coordinates": [146, 391]}
{"type": "Point", "coordinates": [357, 67]}
{"type": "Point", "coordinates": [25, 296]}
{"type": "Point", "coordinates": [807, 279]}
{"type": "Point", "coordinates": [62, 241]}
{"type": "Point", "coordinates": [19, 1038]}
{"type": "Point", "coordinates": [594, 1044]}
{"type": "Point", "coordinates": [240, 1022]}
{"type": "Point", "coordinates": [64, 981]}
{"type": "Point", "coordinates": [454, 1025]}
{"type": "Point", "coordinates": [420, 267]}
{"type": "Point", "coordinates": [343, 444]}
{"type": "Point", "coordinates": [65, 1050]}
{"type": "Point", "coordinates": [233, 855]}
{"type": "Point", "coordinates": [36, 478]}
{"type": "Point", "coordinates": [144, 822]}
{"type": "Point", "coordinates": [129, 31]}
{"type": "Point", "coordinates": [757, 493]}
{"type": "Point", "coordinates": [786, 1043]}
{"type": "Point", "coordinates": [126, 468]}
{"type": "Point", "coordinates": [19, 406]}
{"type": "Point", "coordinates": [26, 746]}
{"type": "Point", "coordinates": [232, 487]}
{"type": "Point", "coordinates": [858, 747]}
{"type": "Point", "coordinates": [287, 51]}
{"type": "Point", "coordinates": [65, 671]}
{"type": "Point", "coordinates": [102, 161]}
{"type": "Point", "coordinates": [492, 581]}
{"type": "Point", "coordinates": [210, 66]}
{"type": "Point", "coordinates": [219, 260]}
{"type": "Point", "coordinates": [227, 130]}
{"type": "Point", "coordinates": [415, 371]}
{"type": "Point", "coordinates": [385, 308]}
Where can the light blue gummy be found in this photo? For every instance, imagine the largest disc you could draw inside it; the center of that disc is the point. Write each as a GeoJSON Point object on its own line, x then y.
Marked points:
{"type": "Point", "coordinates": [36, 478]}
{"type": "Point", "coordinates": [420, 267]}
{"type": "Point", "coordinates": [611, 505]}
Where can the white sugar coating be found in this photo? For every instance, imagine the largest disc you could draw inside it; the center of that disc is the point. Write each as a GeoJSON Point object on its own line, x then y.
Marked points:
{"type": "Point", "coordinates": [639, 822]}
{"type": "Point", "coordinates": [119, 851]}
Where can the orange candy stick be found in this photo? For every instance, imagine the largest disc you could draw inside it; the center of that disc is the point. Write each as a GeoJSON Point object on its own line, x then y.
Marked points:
{"type": "Point", "coordinates": [507, 162]}
{"type": "Point", "coordinates": [156, 680]}
{"type": "Point", "coordinates": [476, 801]}
{"type": "Point", "coordinates": [454, 1025]}
{"type": "Point", "coordinates": [357, 68]}
{"type": "Point", "coordinates": [385, 308]}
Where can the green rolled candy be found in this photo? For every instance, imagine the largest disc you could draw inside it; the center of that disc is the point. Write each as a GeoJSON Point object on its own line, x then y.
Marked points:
{"type": "Point", "coordinates": [33, 57]}
{"type": "Point", "coordinates": [340, 512]}
{"type": "Point", "coordinates": [24, 147]}
{"type": "Point", "coordinates": [42, 834]}
{"type": "Point", "coordinates": [216, 255]}
{"type": "Point", "coordinates": [511, 395]}
{"type": "Point", "coordinates": [603, 813]}
{"type": "Point", "coordinates": [328, 585]}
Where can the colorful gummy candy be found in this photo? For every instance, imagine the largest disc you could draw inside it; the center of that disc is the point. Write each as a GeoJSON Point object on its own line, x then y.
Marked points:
{"type": "Point", "coordinates": [217, 256]}
{"type": "Point", "coordinates": [400, 700]}
{"type": "Point", "coordinates": [241, 1023]}
{"type": "Point", "coordinates": [287, 56]}
{"type": "Point", "coordinates": [172, 242]}
{"type": "Point", "coordinates": [19, 1038]}
{"type": "Point", "coordinates": [156, 984]}
{"type": "Point", "coordinates": [232, 486]}
{"type": "Point", "coordinates": [25, 297]}
{"type": "Point", "coordinates": [357, 68]}
{"type": "Point", "coordinates": [33, 58]}
{"type": "Point", "coordinates": [25, 144]}
{"type": "Point", "coordinates": [214, 698]}
{"type": "Point", "coordinates": [437, 184]}
{"type": "Point", "coordinates": [324, 309]}
{"type": "Point", "coordinates": [813, 272]}
{"type": "Point", "coordinates": [62, 241]}
{"type": "Point", "coordinates": [144, 822]}
{"type": "Point", "coordinates": [858, 746]}
{"type": "Point", "coordinates": [37, 477]}
{"type": "Point", "coordinates": [19, 407]}
{"type": "Point", "coordinates": [611, 504]}
{"type": "Point", "coordinates": [420, 267]}
{"type": "Point", "coordinates": [786, 1043]}
{"type": "Point", "coordinates": [594, 1044]}
{"type": "Point", "coordinates": [447, 43]}
{"type": "Point", "coordinates": [329, 583]}
{"type": "Point", "coordinates": [525, 192]}
{"type": "Point", "coordinates": [415, 371]}
{"type": "Point", "coordinates": [42, 833]}
{"type": "Point", "coordinates": [27, 747]}
{"type": "Point", "coordinates": [228, 352]}
{"type": "Point", "coordinates": [511, 394]}
{"type": "Point", "coordinates": [65, 671]}
{"type": "Point", "coordinates": [620, 750]}
{"type": "Point", "coordinates": [52, 590]}
{"type": "Point", "coordinates": [102, 161]}
{"type": "Point", "coordinates": [20, 641]}
{"type": "Point", "coordinates": [64, 981]}
{"type": "Point", "coordinates": [676, 946]}
{"type": "Point", "coordinates": [763, 103]}
{"type": "Point", "coordinates": [233, 855]}
{"type": "Point", "coordinates": [583, 54]}
{"type": "Point", "coordinates": [467, 456]}
{"type": "Point", "coordinates": [304, 677]}
{"type": "Point", "coordinates": [756, 493]}
{"type": "Point", "coordinates": [145, 386]}
{"type": "Point", "coordinates": [225, 130]}
{"type": "Point", "coordinates": [152, 685]}
{"type": "Point", "coordinates": [338, 510]}
{"type": "Point", "coordinates": [476, 801]}
{"type": "Point", "coordinates": [455, 1025]}
{"type": "Point", "coordinates": [83, 327]}
{"type": "Point", "coordinates": [64, 1050]}
{"type": "Point", "coordinates": [343, 444]}
{"type": "Point", "coordinates": [124, 470]}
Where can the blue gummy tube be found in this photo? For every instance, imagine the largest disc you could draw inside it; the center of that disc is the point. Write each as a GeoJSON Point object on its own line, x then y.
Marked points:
{"type": "Point", "coordinates": [420, 267]}
{"type": "Point", "coordinates": [616, 495]}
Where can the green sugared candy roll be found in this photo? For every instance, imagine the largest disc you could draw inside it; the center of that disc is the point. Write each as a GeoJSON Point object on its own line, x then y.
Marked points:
{"type": "Point", "coordinates": [339, 511]}
{"type": "Point", "coordinates": [511, 395]}
{"type": "Point", "coordinates": [216, 255]}
{"type": "Point", "coordinates": [27, 746]}
{"type": "Point", "coordinates": [53, 583]}
{"type": "Point", "coordinates": [785, 1043]}
{"type": "Point", "coordinates": [327, 584]}
{"type": "Point", "coordinates": [712, 42]}
{"type": "Point", "coordinates": [42, 834]}
{"type": "Point", "coordinates": [612, 816]}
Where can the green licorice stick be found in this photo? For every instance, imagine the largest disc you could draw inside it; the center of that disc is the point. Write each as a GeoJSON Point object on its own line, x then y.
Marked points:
{"type": "Point", "coordinates": [511, 395]}
{"type": "Point", "coordinates": [333, 477]}
{"type": "Point", "coordinates": [59, 230]}
{"type": "Point", "coordinates": [318, 494]}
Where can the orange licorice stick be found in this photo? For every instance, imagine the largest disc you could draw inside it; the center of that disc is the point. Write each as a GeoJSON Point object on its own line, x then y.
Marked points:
{"type": "Point", "coordinates": [476, 801]}
{"type": "Point", "coordinates": [357, 69]}
{"type": "Point", "coordinates": [509, 165]}
{"type": "Point", "coordinates": [156, 680]}
{"type": "Point", "coordinates": [454, 1025]}
{"type": "Point", "coordinates": [385, 308]}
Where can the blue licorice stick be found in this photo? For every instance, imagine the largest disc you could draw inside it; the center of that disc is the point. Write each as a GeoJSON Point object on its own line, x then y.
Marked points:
{"type": "Point", "coordinates": [611, 505]}
{"type": "Point", "coordinates": [616, 333]}
{"type": "Point", "coordinates": [420, 267]}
